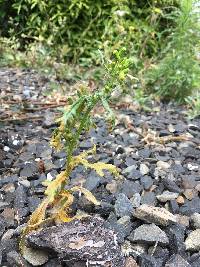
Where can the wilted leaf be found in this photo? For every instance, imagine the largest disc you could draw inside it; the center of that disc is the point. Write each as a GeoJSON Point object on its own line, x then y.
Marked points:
{"type": "Point", "coordinates": [86, 193]}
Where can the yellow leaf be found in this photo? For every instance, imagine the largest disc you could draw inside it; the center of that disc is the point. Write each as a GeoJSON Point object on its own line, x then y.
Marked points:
{"type": "Point", "coordinates": [62, 207]}
{"type": "Point", "coordinates": [54, 186]}
{"type": "Point", "coordinates": [86, 193]}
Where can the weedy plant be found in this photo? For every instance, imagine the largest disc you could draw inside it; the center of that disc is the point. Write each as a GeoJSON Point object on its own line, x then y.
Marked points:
{"type": "Point", "coordinates": [178, 72]}
{"type": "Point", "coordinates": [193, 103]}
{"type": "Point", "coordinates": [76, 119]}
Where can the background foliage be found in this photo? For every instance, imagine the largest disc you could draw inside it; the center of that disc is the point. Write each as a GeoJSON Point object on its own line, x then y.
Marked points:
{"type": "Point", "coordinates": [76, 29]}
{"type": "Point", "coordinates": [65, 36]}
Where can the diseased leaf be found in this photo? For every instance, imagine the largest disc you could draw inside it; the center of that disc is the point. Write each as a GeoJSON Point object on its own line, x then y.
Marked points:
{"type": "Point", "coordinates": [86, 193]}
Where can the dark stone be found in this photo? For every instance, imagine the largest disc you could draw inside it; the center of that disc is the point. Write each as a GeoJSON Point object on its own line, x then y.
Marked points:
{"type": "Point", "coordinates": [123, 206]}
{"type": "Point", "coordinates": [134, 175]}
{"type": "Point", "coordinates": [171, 185]}
{"type": "Point", "coordinates": [92, 181]}
{"type": "Point", "coordinates": [129, 188]}
{"type": "Point", "coordinates": [177, 260]}
{"type": "Point", "coordinates": [130, 161]}
{"type": "Point", "coordinates": [33, 203]}
{"type": "Point", "coordinates": [147, 261]}
{"type": "Point", "coordinates": [161, 255]}
{"type": "Point", "coordinates": [176, 235]}
{"type": "Point", "coordinates": [86, 144]}
{"type": "Point", "coordinates": [104, 209]}
{"type": "Point", "coordinates": [188, 181]}
{"type": "Point", "coordinates": [86, 240]}
{"type": "Point", "coordinates": [122, 227]}
{"type": "Point", "coordinates": [20, 201]}
{"type": "Point", "coordinates": [29, 170]}
{"type": "Point", "coordinates": [2, 225]}
{"type": "Point", "coordinates": [144, 153]}
{"type": "Point", "coordinates": [195, 260]}
{"type": "Point", "coordinates": [8, 245]}
{"type": "Point", "coordinates": [120, 150]}
{"type": "Point", "coordinates": [59, 163]}
{"type": "Point", "coordinates": [55, 263]}
{"type": "Point", "coordinates": [174, 207]}
{"type": "Point", "coordinates": [9, 179]}
{"type": "Point", "coordinates": [146, 181]}
{"type": "Point", "coordinates": [190, 207]}
{"type": "Point", "coordinates": [15, 259]}
{"type": "Point", "coordinates": [149, 198]}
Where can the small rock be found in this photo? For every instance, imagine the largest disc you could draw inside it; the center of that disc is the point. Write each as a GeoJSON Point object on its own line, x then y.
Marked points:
{"type": "Point", "coordinates": [144, 169]}
{"type": "Point", "coordinates": [163, 165]}
{"type": "Point", "coordinates": [173, 205]}
{"type": "Point", "coordinates": [190, 207]}
{"type": "Point", "coordinates": [123, 206]}
{"type": "Point", "coordinates": [176, 235]}
{"type": "Point", "coordinates": [192, 242]}
{"type": "Point", "coordinates": [112, 187]}
{"type": "Point", "coordinates": [149, 233]}
{"type": "Point", "coordinates": [183, 219]}
{"type": "Point", "coordinates": [180, 200]}
{"type": "Point", "coordinates": [2, 225]}
{"type": "Point", "coordinates": [166, 196]}
{"type": "Point", "coordinates": [147, 261]}
{"type": "Point", "coordinates": [92, 181]}
{"type": "Point", "coordinates": [135, 200]}
{"type": "Point", "coordinates": [130, 262]}
{"type": "Point", "coordinates": [29, 170]}
{"type": "Point", "coordinates": [195, 220]}
{"type": "Point", "coordinates": [34, 256]}
{"type": "Point", "coordinates": [189, 182]}
{"type": "Point", "coordinates": [176, 261]}
{"type": "Point", "coordinates": [15, 259]}
{"type": "Point", "coordinates": [9, 215]}
{"type": "Point", "coordinates": [171, 185]}
{"type": "Point", "coordinates": [146, 181]}
{"type": "Point", "coordinates": [3, 205]}
{"type": "Point", "coordinates": [129, 188]}
{"type": "Point", "coordinates": [155, 215]}
{"type": "Point", "coordinates": [190, 193]}
{"type": "Point", "coordinates": [149, 198]}
{"type": "Point", "coordinates": [129, 169]}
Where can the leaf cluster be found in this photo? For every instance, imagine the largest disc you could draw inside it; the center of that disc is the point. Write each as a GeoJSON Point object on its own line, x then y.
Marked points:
{"type": "Point", "coordinates": [75, 30]}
